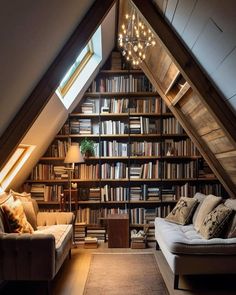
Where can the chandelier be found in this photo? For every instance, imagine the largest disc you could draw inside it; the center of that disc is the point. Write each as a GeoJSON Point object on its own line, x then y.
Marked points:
{"type": "Point", "coordinates": [135, 37]}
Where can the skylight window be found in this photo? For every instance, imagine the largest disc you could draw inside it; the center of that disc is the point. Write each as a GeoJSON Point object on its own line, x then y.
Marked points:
{"type": "Point", "coordinates": [75, 69]}
{"type": "Point", "coordinates": [81, 70]}
{"type": "Point", "coordinates": [14, 164]}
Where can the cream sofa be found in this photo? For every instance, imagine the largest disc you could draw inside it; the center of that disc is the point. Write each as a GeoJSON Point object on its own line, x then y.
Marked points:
{"type": "Point", "coordinates": [188, 253]}
{"type": "Point", "coordinates": [37, 256]}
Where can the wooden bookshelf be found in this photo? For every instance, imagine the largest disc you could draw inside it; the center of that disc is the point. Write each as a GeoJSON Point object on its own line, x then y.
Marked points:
{"type": "Point", "coordinates": [151, 140]}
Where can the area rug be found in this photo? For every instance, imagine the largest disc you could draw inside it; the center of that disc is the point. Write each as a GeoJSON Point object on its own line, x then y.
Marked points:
{"type": "Point", "coordinates": [129, 274]}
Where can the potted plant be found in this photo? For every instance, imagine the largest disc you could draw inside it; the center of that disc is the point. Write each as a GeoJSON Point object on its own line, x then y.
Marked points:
{"type": "Point", "coordinates": [87, 147]}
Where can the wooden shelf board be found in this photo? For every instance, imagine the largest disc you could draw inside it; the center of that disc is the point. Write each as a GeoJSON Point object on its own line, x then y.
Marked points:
{"type": "Point", "coordinates": [124, 94]}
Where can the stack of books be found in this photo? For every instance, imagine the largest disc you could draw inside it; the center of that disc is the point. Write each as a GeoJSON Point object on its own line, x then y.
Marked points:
{"type": "Point", "coordinates": [90, 243]}
{"type": "Point", "coordinates": [79, 232]}
{"type": "Point", "coordinates": [138, 239]}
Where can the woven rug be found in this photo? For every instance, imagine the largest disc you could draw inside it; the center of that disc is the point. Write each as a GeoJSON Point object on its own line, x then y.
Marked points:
{"type": "Point", "coordinates": [129, 274]}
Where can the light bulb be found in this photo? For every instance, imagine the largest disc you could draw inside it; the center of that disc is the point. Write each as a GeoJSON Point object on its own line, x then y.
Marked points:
{"type": "Point", "coordinates": [129, 52]}
{"type": "Point", "coordinates": [135, 48]}
{"type": "Point", "coordinates": [123, 26]}
{"type": "Point", "coordinates": [144, 56]}
{"type": "Point", "coordinates": [153, 42]}
{"type": "Point", "coordinates": [127, 16]}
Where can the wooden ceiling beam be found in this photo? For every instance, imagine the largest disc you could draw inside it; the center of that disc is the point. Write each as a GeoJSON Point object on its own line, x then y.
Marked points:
{"type": "Point", "coordinates": [41, 94]}
{"type": "Point", "coordinates": [189, 68]}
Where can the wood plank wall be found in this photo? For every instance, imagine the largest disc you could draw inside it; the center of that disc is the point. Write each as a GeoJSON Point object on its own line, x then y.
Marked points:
{"type": "Point", "coordinates": [189, 101]}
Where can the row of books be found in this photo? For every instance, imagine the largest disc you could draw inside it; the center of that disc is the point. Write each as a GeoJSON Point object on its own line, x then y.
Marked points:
{"type": "Point", "coordinates": [48, 171]}
{"type": "Point", "coordinates": [93, 216]}
{"type": "Point", "coordinates": [117, 170]}
{"type": "Point", "coordinates": [147, 216]}
{"type": "Point", "coordinates": [144, 125]}
{"type": "Point", "coordinates": [123, 105]}
{"type": "Point", "coordinates": [46, 193]}
{"type": "Point", "coordinates": [84, 171]}
{"type": "Point", "coordinates": [171, 126]}
{"type": "Point", "coordinates": [114, 127]}
{"type": "Point", "coordinates": [145, 148]}
{"type": "Point", "coordinates": [127, 83]}
{"type": "Point", "coordinates": [183, 147]}
{"type": "Point", "coordinates": [115, 148]}
{"type": "Point", "coordinates": [144, 193]}
{"type": "Point", "coordinates": [58, 148]}
{"type": "Point", "coordinates": [117, 194]}
{"type": "Point", "coordinates": [179, 170]}
{"type": "Point", "coordinates": [150, 170]}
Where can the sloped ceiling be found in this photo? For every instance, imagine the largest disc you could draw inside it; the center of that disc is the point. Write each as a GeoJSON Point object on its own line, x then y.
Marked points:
{"type": "Point", "coordinates": [32, 33]}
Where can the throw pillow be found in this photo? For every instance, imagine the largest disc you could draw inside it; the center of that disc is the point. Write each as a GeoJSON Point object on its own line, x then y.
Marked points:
{"type": "Point", "coordinates": [22, 196]}
{"type": "Point", "coordinates": [30, 213]}
{"type": "Point", "coordinates": [183, 211]}
{"type": "Point", "coordinates": [200, 198]}
{"type": "Point", "coordinates": [5, 199]}
{"type": "Point", "coordinates": [231, 230]}
{"type": "Point", "coordinates": [209, 203]}
{"type": "Point", "coordinates": [215, 221]}
{"type": "Point", "coordinates": [16, 218]}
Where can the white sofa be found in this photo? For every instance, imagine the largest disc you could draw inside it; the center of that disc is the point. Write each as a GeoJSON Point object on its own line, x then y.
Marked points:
{"type": "Point", "coordinates": [187, 252]}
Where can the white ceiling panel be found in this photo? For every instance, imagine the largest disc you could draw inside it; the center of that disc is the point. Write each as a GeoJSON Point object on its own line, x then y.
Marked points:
{"type": "Point", "coordinates": [203, 47]}
{"type": "Point", "coordinates": [182, 15]}
{"type": "Point", "coordinates": [170, 9]}
{"type": "Point", "coordinates": [225, 75]}
{"type": "Point", "coordinates": [200, 15]}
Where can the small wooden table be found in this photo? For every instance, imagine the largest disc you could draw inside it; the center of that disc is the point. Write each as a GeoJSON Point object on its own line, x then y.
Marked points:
{"type": "Point", "coordinates": [118, 230]}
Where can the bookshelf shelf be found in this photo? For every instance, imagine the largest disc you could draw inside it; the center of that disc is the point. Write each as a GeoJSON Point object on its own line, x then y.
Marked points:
{"type": "Point", "coordinates": [143, 162]}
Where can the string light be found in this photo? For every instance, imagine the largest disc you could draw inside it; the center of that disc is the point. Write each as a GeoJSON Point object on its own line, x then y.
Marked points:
{"type": "Point", "coordinates": [135, 38]}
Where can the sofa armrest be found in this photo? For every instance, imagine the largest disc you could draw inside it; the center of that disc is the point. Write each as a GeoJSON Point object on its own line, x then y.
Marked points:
{"type": "Point", "coordinates": [27, 257]}
{"type": "Point", "coordinates": [53, 218]}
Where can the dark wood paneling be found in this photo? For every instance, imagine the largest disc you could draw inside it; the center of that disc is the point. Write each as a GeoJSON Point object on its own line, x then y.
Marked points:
{"type": "Point", "coordinates": [50, 81]}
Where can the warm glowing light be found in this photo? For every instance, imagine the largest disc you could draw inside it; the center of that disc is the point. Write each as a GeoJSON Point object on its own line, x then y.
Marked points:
{"type": "Point", "coordinates": [135, 38]}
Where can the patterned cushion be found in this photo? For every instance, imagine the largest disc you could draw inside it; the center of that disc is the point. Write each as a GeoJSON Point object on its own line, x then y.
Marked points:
{"type": "Point", "coordinates": [16, 217]}
{"type": "Point", "coordinates": [209, 203]}
{"type": "Point", "coordinates": [183, 211]}
{"type": "Point", "coordinates": [215, 221]}
{"type": "Point", "coordinates": [22, 196]}
{"type": "Point", "coordinates": [231, 230]}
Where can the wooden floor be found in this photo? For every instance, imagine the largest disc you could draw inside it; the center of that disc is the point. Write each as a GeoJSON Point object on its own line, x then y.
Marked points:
{"type": "Point", "coordinates": [72, 277]}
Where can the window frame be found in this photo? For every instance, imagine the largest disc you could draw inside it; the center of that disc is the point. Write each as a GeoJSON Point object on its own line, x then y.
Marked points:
{"type": "Point", "coordinates": [63, 90]}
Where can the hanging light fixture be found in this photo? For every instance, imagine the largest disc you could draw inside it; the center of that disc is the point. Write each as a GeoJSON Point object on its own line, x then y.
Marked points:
{"type": "Point", "coordinates": [135, 37]}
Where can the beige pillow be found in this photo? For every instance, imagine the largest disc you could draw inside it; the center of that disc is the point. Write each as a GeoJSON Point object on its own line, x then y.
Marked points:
{"type": "Point", "coordinates": [215, 221]}
{"type": "Point", "coordinates": [209, 203]}
{"type": "Point", "coordinates": [183, 211]}
{"type": "Point", "coordinates": [200, 198]}
{"type": "Point", "coordinates": [16, 218]}
{"type": "Point", "coordinates": [231, 230]}
{"type": "Point", "coordinates": [30, 213]}
{"type": "Point", "coordinates": [22, 196]}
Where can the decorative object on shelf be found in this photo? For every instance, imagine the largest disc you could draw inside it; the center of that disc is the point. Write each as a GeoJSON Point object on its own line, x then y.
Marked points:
{"type": "Point", "coordinates": [87, 147]}
{"type": "Point", "coordinates": [135, 38]}
{"type": "Point", "coordinates": [73, 156]}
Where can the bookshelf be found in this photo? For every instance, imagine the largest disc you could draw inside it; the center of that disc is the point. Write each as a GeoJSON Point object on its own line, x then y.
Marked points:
{"type": "Point", "coordinates": [143, 161]}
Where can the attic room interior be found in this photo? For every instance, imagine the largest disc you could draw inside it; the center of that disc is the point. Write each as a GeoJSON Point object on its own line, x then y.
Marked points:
{"type": "Point", "coordinates": [118, 147]}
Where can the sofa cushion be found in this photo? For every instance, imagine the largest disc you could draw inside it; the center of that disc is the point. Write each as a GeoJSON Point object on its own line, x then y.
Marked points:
{"type": "Point", "coordinates": [215, 221]}
{"type": "Point", "coordinates": [59, 231]}
{"type": "Point", "coordinates": [181, 239]}
{"type": "Point", "coordinates": [16, 217]}
{"type": "Point", "coordinates": [231, 230]}
{"type": "Point", "coordinates": [200, 198]}
{"type": "Point", "coordinates": [208, 204]}
{"type": "Point", "coordinates": [183, 211]}
{"type": "Point", "coordinates": [5, 199]}
{"type": "Point", "coordinates": [30, 214]}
